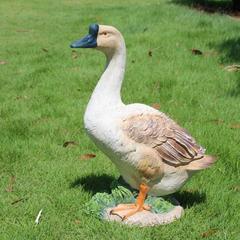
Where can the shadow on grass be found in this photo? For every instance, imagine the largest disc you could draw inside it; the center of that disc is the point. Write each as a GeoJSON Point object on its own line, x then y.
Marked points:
{"type": "Point", "coordinates": [229, 50]}
{"type": "Point", "coordinates": [230, 54]}
{"type": "Point", "coordinates": [188, 199]}
{"type": "Point", "coordinates": [210, 6]}
{"type": "Point", "coordinates": [101, 183]}
{"type": "Point", "coordinates": [94, 183]}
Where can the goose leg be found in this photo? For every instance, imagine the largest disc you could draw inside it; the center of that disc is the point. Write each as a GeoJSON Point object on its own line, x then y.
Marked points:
{"type": "Point", "coordinates": [131, 209]}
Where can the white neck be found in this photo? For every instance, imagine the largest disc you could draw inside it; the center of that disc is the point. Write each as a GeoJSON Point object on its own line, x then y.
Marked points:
{"type": "Point", "coordinates": [107, 93]}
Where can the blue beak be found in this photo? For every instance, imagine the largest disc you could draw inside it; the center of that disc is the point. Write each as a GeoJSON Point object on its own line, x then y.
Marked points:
{"type": "Point", "coordinates": [89, 41]}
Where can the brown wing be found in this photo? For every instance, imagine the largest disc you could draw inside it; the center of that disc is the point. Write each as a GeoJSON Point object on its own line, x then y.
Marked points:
{"type": "Point", "coordinates": [173, 143]}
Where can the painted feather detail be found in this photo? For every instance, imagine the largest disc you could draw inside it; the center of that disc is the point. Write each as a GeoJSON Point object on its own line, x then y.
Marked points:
{"type": "Point", "coordinates": [173, 143]}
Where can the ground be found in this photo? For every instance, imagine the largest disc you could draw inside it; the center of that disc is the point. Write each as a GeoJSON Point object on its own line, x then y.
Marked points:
{"type": "Point", "coordinates": [176, 60]}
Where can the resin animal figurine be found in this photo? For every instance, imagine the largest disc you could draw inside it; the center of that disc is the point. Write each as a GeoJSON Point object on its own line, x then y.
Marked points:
{"type": "Point", "coordinates": [152, 152]}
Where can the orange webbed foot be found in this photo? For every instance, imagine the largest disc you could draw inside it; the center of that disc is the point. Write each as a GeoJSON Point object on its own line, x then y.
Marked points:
{"type": "Point", "coordinates": [127, 210]}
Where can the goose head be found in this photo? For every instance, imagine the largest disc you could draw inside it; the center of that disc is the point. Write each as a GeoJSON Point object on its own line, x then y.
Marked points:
{"type": "Point", "coordinates": [104, 38]}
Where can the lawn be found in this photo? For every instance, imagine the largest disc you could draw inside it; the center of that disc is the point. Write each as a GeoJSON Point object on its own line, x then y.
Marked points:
{"type": "Point", "coordinates": [45, 87]}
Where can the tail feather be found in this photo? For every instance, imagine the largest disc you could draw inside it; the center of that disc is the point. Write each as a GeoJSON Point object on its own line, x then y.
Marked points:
{"type": "Point", "coordinates": [202, 163]}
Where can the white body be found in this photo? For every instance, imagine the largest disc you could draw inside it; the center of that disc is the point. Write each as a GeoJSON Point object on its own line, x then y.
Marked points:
{"type": "Point", "coordinates": [103, 126]}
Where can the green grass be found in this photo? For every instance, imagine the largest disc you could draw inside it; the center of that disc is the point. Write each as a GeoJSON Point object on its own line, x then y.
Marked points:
{"type": "Point", "coordinates": [44, 92]}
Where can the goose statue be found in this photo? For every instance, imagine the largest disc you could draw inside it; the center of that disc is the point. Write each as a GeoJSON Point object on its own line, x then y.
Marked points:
{"type": "Point", "coordinates": [152, 152]}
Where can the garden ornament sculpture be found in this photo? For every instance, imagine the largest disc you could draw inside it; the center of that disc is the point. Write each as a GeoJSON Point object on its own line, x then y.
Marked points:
{"type": "Point", "coordinates": [152, 152]}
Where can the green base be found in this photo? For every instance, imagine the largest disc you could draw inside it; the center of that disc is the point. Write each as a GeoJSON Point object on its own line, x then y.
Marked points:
{"type": "Point", "coordinates": [122, 193]}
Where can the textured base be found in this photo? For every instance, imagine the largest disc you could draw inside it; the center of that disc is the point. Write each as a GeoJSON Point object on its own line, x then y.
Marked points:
{"type": "Point", "coordinates": [146, 218]}
{"type": "Point", "coordinates": [163, 210]}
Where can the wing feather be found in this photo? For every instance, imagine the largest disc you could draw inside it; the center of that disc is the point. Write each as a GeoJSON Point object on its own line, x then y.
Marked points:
{"type": "Point", "coordinates": [173, 143]}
